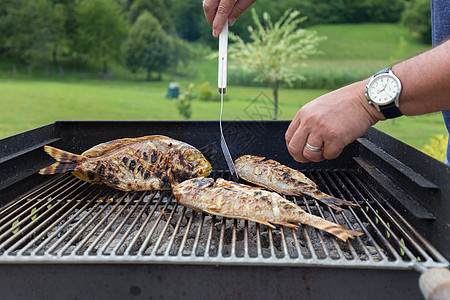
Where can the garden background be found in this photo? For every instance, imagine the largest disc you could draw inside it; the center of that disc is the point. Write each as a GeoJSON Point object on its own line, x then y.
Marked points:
{"type": "Point", "coordinates": [114, 60]}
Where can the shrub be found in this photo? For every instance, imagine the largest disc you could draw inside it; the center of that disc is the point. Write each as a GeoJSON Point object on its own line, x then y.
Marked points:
{"type": "Point", "coordinates": [417, 19]}
{"type": "Point", "coordinates": [437, 147]}
{"type": "Point", "coordinates": [207, 92]}
{"type": "Point", "coordinates": [184, 103]}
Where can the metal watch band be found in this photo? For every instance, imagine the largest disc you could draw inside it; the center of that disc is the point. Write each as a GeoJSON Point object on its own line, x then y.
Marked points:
{"type": "Point", "coordinates": [391, 110]}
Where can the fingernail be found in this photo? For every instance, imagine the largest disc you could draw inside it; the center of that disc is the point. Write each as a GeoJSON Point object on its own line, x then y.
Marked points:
{"type": "Point", "coordinates": [215, 33]}
{"type": "Point", "coordinates": [231, 21]}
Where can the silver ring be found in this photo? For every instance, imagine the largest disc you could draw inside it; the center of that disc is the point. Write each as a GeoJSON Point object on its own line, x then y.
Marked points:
{"type": "Point", "coordinates": [312, 148]}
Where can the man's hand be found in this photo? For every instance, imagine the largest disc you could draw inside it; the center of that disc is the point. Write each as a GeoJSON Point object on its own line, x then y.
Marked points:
{"type": "Point", "coordinates": [329, 123]}
{"type": "Point", "coordinates": [218, 11]}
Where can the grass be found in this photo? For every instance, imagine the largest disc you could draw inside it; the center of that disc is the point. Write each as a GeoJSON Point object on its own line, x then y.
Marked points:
{"type": "Point", "coordinates": [29, 104]}
{"type": "Point", "coordinates": [353, 51]}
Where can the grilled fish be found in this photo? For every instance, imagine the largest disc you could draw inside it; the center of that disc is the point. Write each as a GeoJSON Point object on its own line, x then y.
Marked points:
{"type": "Point", "coordinates": [282, 179]}
{"type": "Point", "coordinates": [152, 162]}
{"type": "Point", "coordinates": [234, 200]}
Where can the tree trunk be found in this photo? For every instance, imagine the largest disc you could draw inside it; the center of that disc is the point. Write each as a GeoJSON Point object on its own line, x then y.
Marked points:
{"type": "Point", "coordinates": [55, 48]}
{"type": "Point", "coordinates": [275, 100]}
{"type": "Point", "coordinates": [105, 68]}
{"type": "Point", "coordinates": [149, 75]}
{"type": "Point", "coordinates": [159, 76]}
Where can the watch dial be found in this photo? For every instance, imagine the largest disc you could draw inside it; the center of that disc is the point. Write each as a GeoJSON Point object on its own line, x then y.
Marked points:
{"type": "Point", "coordinates": [383, 89]}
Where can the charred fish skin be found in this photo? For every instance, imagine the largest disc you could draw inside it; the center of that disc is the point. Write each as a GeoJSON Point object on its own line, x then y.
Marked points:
{"type": "Point", "coordinates": [274, 176]}
{"type": "Point", "coordinates": [147, 163]}
{"type": "Point", "coordinates": [234, 200]}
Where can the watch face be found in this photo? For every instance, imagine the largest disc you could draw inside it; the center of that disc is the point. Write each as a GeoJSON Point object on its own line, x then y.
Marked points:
{"type": "Point", "coordinates": [383, 89]}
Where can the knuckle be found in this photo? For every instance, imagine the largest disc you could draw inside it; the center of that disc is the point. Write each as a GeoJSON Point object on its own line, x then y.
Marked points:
{"type": "Point", "coordinates": [332, 153]}
{"type": "Point", "coordinates": [296, 153]}
{"type": "Point", "coordinates": [238, 11]}
{"type": "Point", "coordinates": [222, 9]}
{"type": "Point", "coordinates": [206, 5]}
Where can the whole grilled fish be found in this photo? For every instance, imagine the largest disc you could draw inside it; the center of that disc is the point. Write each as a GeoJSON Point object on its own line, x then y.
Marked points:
{"type": "Point", "coordinates": [234, 200]}
{"type": "Point", "coordinates": [152, 162]}
{"type": "Point", "coordinates": [282, 179]}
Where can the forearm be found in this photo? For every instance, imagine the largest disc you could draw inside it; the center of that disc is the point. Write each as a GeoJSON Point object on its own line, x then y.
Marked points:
{"type": "Point", "coordinates": [425, 81]}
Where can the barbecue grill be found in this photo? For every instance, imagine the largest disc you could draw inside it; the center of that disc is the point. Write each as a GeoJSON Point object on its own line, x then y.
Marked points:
{"type": "Point", "coordinates": [63, 238]}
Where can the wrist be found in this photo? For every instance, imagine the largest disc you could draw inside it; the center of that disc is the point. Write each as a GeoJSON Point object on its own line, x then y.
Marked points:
{"type": "Point", "coordinates": [373, 114]}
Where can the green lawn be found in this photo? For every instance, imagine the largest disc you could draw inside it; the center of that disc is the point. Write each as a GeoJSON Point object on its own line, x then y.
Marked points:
{"type": "Point", "coordinates": [29, 102]}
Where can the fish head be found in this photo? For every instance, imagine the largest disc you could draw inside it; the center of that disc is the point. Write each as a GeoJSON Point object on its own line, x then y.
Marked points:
{"type": "Point", "coordinates": [190, 164]}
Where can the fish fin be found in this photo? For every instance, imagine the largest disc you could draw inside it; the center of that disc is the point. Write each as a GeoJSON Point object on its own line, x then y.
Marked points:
{"type": "Point", "coordinates": [66, 161]}
{"type": "Point", "coordinates": [333, 201]}
{"type": "Point", "coordinates": [254, 220]}
{"type": "Point", "coordinates": [287, 224]}
{"type": "Point", "coordinates": [264, 223]}
{"type": "Point", "coordinates": [330, 227]}
{"type": "Point", "coordinates": [330, 203]}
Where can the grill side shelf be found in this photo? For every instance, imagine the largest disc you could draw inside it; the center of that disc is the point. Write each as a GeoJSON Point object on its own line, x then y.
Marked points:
{"type": "Point", "coordinates": [406, 171]}
{"type": "Point", "coordinates": [22, 164]}
{"type": "Point", "coordinates": [404, 198]}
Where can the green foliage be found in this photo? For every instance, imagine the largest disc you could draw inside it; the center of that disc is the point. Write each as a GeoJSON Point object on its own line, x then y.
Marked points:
{"type": "Point", "coordinates": [206, 92]}
{"type": "Point", "coordinates": [276, 50]}
{"type": "Point", "coordinates": [180, 52]}
{"type": "Point", "coordinates": [385, 10]}
{"type": "Point", "coordinates": [184, 102]}
{"type": "Point", "coordinates": [147, 45]}
{"type": "Point", "coordinates": [346, 11]}
{"type": "Point", "coordinates": [399, 53]}
{"type": "Point", "coordinates": [156, 7]}
{"type": "Point", "coordinates": [31, 29]}
{"type": "Point", "coordinates": [417, 18]}
{"type": "Point", "coordinates": [436, 147]}
{"type": "Point", "coordinates": [189, 20]}
{"type": "Point", "coordinates": [101, 30]}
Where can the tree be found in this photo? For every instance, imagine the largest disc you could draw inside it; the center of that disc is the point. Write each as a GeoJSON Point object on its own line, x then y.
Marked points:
{"type": "Point", "coordinates": [179, 52]}
{"type": "Point", "coordinates": [188, 18]}
{"type": "Point", "coordinates": [276, 50]}
{"type": "Point", "coordinates": [147, 45]}
{"type": "Point", "coordinates": [32, 29]}
{"type": "Point", "coordinates": [157, 8]}
{"type": "Point", "coordinates": [417, 19]}
{"type": "Point", "coordinates": [100, 30]}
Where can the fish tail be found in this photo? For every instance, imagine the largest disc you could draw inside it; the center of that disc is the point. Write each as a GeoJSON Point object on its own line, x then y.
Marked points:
{"type": "Point", "coordinates": [334, 202]}
{"type": "Point", "coordinates": [330, 227]}
{"type": "Point", "coordinates": [66, 161]}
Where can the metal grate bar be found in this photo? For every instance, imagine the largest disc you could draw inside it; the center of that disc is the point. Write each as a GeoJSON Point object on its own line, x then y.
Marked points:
{"type": "Point", "coordinates": [152, 231]}
{"type": "Point", "coordinates": [44, 219]}
{"type": "Point", "coordinates": [78, 226]}
{"type": "Point", "coordinates": [68, 220]}
{"type": "Point", "coordinates": [59, 230]}
{"type": "Point", "coordinates": [102, 222]}
{"type": "Point", "coordinates": [121, 225]}
{"type": "Point", "coordinates": [129, 231]}
{"type": "Point", "coordinates": [373, 225]}
{"type": "Point", "coordinates": [395, 218]}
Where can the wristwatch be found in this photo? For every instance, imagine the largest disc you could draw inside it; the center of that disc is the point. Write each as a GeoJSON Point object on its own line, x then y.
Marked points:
{"type": "Point", "coordinates": [383, 92]}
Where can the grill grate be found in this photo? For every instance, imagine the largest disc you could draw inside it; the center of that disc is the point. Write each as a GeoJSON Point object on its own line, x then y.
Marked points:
{"type": "Point", "coordinates": [70, 221]}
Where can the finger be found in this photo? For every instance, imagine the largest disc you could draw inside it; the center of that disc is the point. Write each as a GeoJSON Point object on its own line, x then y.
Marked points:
{"type": "Point", "coordinates": [239, 7]}
{"type": "Point", "coordinates": [297, 143]}
{"type": "Point", "coordinates": [210, 9]}
{"type": "Point", "coordinates": [332, 150]}
{"type": "Point", "coordinates": [293, 126]}
{"type": "Point", "coordinates": [310, 154]}
{"type": "Point", "coordinates": [223, 11]}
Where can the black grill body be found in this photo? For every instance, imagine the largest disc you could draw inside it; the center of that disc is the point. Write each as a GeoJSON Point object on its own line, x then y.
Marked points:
{"type": "Point", "coordinates": [410, 186]}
